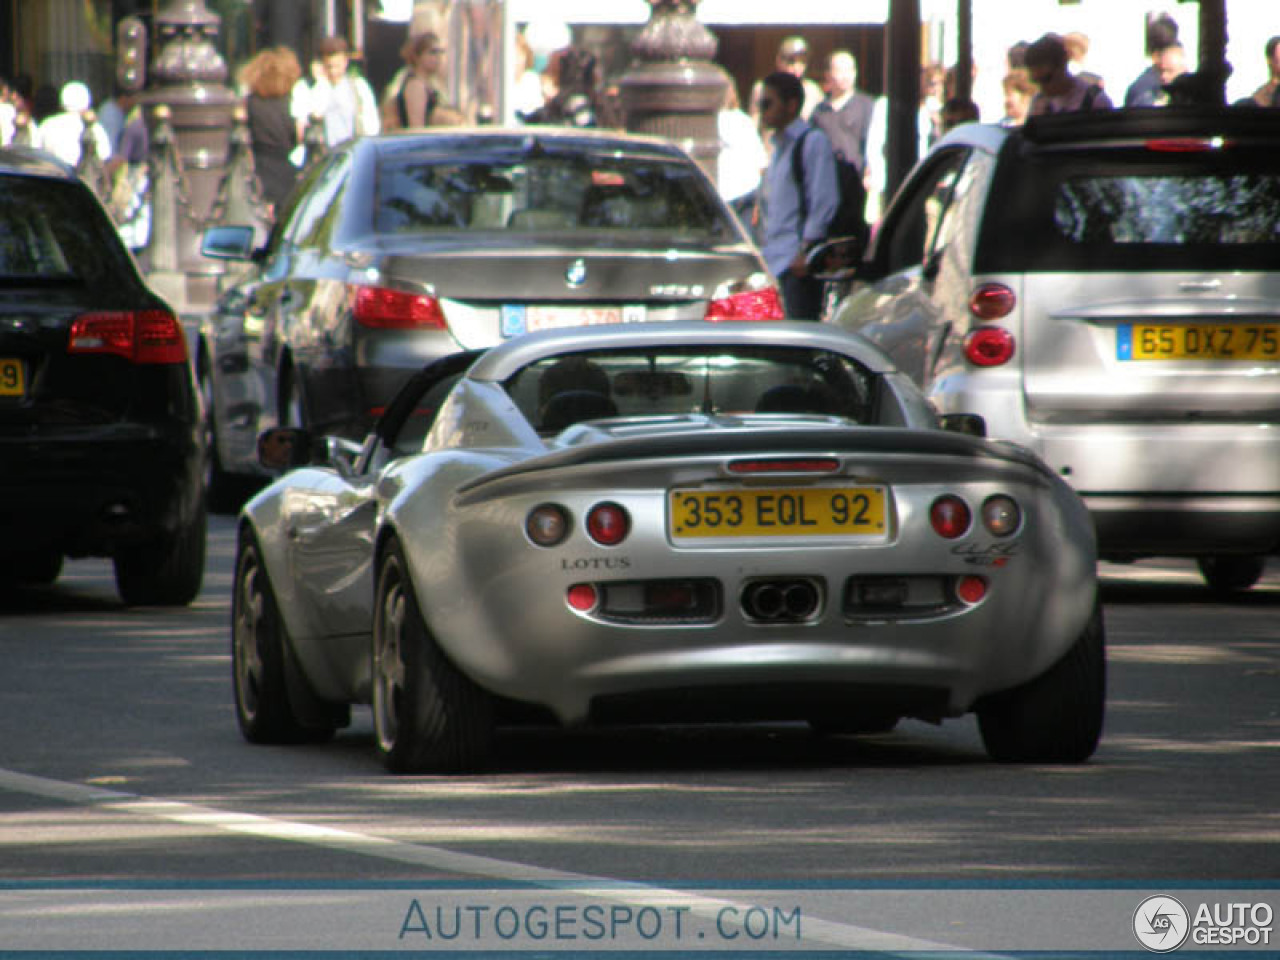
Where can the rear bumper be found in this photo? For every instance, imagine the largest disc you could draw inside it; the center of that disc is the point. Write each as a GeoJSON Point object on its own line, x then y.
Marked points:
{"type": "Point", "coordinates": [1164, 525]}
{"type": "Point", "coordinates": [90, 492]}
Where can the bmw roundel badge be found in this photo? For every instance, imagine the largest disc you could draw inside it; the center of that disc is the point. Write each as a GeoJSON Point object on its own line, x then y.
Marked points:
{"type": "Point", "coordinates": [576, 275]}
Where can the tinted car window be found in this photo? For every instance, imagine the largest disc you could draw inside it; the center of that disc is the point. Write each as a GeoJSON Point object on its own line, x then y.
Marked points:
{"type": "Point", "coordinates": [909, 238]}
{"type": "Point", "coordinates": [531, 192]}
{"type": "Point", "coordinates": [557, 391]}
{"type": "Point", "coordinates": [1134, 209]}
{"type": "Point", "coordinates": [52, 231]}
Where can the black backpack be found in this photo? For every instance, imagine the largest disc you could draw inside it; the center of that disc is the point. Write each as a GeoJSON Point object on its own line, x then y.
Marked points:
{"type": "Point", "coordinates": [850, 219]}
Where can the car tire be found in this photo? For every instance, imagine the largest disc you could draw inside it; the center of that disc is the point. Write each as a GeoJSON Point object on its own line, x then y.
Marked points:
{"type": "Point", "coordinates": [40, 569]}
{"type": "Point", "coordinates": [167, 572]}
{"type": "Point", "coordinates": [428, 716]}
{"type": "Point", "coordinates": [259, 645]}
{"type": "Point", "coordinates": [1231, 574]}
{"type": "Point", "coordinates": [1057, 717]}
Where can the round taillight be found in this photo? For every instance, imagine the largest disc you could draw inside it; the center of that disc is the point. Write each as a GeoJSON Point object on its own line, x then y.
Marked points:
{"type": "Point", "coordinates": [971, 589]}
{"type": "Point", "coordinates": [950, 517]}
{"type": "Point", "coordinates": [608, 524]}
{"type": "Point", "coordinates": [582, 597]}
{"type": "Point", "coordinates": [991, 301]}
{"type": "Point", "coordinates": [547, 525]}
{"type": "Point", "coordinates": [988, 346]}
{"type": "Point", "coordinates": [1001, 515]}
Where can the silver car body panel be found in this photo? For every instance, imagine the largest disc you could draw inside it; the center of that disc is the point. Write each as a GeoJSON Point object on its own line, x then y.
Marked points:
{"type": "Point", "coordinates": [1192, 445]}
{"type": "Point", "coordinates": [496, 603]}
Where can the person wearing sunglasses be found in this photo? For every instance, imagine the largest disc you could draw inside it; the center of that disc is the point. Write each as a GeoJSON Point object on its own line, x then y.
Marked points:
{"type": "Point", "coordinates": [795, 214]}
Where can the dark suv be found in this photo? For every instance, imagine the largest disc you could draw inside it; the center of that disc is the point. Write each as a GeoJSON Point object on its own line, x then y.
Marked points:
{"type": "Point", "coordinates": [100, 440]}
{"type": "Point", "coordinates": [1104, 288]}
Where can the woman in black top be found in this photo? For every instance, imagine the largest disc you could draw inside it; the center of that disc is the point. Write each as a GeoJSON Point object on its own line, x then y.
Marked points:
{"type": "Point", "coordinates": [270, 78]}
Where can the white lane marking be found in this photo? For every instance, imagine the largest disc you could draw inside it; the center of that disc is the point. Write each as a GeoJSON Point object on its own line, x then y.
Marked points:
{"type": "Point", "coordinates": [817, 931]}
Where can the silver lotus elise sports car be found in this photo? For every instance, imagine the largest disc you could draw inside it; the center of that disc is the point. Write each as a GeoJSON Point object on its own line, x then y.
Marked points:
{"type": "Point", "coordinates": [665, 523]}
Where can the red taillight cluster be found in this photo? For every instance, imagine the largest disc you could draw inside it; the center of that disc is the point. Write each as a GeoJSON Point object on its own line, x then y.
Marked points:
{"type": "Point", "coordinates": [764, 304]}
{"type": "Point", "coordinates": [140, 336]}
{"type": "Point", "coordinates": [992, 301]}
{"type": "Point", "coordinates": [384, 309]}
{"type": "Point", "coordinates": [951, 517]}
{"type": "Point", "coordinates": [549, 524]}
{"type": "Point", "coordinates": [988, 346]}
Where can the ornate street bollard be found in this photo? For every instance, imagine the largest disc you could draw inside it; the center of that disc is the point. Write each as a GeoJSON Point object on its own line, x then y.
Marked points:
{"type": "Point", "coordinates": [190, 146]}
{"type": "Point", "coordinates": [674, 90]}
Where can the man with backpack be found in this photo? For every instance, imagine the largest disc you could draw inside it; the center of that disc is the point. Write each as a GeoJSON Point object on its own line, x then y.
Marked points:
{"type": "Point", "coordinates": [800, 194]}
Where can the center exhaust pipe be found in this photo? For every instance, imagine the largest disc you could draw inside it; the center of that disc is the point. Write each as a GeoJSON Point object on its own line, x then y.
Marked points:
{"type": "Point", "coordinates": [782, 601]}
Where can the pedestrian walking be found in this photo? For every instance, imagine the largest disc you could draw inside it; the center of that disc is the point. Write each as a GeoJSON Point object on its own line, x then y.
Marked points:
{"type": "Point", "coordinates": [795, 213]}
{"type": "Point", "coordinates": [269, 79]}
{"type": "Point", "coordinates": [340, 97]}
{"type": "Point", "coordinates": [1059, 90]}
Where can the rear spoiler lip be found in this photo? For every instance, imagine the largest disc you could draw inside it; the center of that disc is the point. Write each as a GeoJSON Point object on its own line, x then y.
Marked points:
{"type": "Point", "coordinates": [781, 442]}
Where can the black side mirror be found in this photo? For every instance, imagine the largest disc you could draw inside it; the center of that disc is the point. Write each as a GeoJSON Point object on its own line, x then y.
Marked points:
{"type": "Point", "coordinates": [835, 260]}
{"type": "Point", "coordinates": [283, 448]}
{"type": "Point", "coordinates": [970, 424]}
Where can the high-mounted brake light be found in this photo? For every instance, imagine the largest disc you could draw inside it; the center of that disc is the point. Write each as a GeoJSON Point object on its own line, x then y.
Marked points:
{"type": "Point", "coordinates": [1185, 144]}
{"type": "Point", "coordinates": [991, 301]}
{"type": "Point", "coordinates": [785, 465]}
{"type": "Point", "coordinates": [988, 346]}
{"type": "Point", "coordinates": [385, 309]}
{"type": "Point", "coordinates": [140, 336]}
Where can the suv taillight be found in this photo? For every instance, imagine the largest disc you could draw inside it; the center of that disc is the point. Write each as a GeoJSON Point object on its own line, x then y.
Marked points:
{"type": "Point", "coordinates": [140, 336]}
{"type": "Point", "coordinates": [385, 309]}
{"type": "Point", "coordinates": [988, 346]}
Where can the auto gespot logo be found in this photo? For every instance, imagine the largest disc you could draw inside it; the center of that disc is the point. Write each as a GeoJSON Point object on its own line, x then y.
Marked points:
{"type": "Point", "coordinates": [1162, 924]}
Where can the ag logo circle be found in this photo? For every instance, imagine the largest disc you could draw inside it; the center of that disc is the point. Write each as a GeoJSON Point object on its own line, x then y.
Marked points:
{"type": "Point", "coordinates": [1161, 923]}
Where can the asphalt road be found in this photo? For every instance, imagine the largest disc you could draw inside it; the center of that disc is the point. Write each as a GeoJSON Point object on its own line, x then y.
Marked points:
{"type": "Point", "coordinates": [120, 761]}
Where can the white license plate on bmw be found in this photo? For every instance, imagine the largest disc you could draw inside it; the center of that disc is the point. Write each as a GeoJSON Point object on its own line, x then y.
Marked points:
{"type": "Point", "coordinates": [519, 318]}
{"type": "Point", "coordinates": [778, 512]}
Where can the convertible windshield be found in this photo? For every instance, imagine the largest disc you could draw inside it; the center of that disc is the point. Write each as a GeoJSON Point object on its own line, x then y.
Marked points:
{"type": "Point", "coordinates": [532, 193]}
{"type": "Point", "coordinates": [556, 392]}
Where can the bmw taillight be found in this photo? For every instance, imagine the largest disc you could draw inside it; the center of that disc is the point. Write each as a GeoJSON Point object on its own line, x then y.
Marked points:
{"type": "Point", "coordinates": [384, 309]}
{"type": "Point", "coordinates": [140, 336]}
{"type": "Point", "coordinates": [988, 346]}
{"type": "Point", "coordinates": [755, 298]}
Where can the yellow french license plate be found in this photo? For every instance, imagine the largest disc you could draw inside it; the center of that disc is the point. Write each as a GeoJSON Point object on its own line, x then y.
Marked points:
{"type": "Point", "coordinates": [13, 380]}
{"type": "Point", "coordinates": [1198, 341]}
{"type": "Point", "coordinates": [777, 512]}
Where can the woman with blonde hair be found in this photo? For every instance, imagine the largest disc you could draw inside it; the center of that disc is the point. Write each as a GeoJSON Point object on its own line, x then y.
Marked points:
{"type": "Point", "coordinates": [268, 80]}
{"type": "Point", "coordinates": [415, 102]}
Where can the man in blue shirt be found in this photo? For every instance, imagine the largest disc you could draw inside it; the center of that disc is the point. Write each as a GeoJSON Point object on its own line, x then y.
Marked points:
{"type": "Point", "coordinates": [795, 216]}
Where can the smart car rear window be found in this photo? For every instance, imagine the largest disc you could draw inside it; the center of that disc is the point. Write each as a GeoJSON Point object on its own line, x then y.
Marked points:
{"type": "Point", "coordinates": [1133, 209]}
{"type": "Point", "coordinates": [52, 233]}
